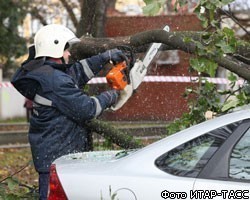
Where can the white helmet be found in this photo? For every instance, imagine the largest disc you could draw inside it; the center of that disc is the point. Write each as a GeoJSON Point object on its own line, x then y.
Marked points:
{"type": "Point", "coordinates": [51, 40]}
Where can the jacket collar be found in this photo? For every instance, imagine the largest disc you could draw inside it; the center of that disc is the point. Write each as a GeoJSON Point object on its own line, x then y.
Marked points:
{"type": "Point", "coordinates": [39, 62]}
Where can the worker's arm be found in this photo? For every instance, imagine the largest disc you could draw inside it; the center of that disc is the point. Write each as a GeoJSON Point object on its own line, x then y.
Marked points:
{"type": "Point", "coordinates": [86, 69]}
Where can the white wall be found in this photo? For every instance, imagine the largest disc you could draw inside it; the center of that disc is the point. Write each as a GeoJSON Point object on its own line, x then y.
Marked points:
{"type": "Point", "coordinates": [11, 102]}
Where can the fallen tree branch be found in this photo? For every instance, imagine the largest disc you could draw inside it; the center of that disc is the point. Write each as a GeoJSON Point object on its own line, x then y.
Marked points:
{"type": "Point", "coordinates": [111, 133]}
{"type": "Point", "coordinates": [172, 41]}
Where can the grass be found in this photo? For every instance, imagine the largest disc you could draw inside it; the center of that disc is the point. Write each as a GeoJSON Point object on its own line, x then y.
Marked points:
{"type": "Point", "coordinates": [18, 178]}
{"type": "Point", "coordinates": [14, 120]}
{"type": "Point", "coordinates": [13, 160]}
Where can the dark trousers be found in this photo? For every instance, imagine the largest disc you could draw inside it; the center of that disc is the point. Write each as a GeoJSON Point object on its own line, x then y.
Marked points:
{"type": "Point", "coordinates": [43, 185]}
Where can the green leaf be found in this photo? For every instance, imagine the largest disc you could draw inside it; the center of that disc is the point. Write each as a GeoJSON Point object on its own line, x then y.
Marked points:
{"type": "Point", "coordinates": [225, 2]}
{"type": "Point", "coordinates": [229, 32]}
{"type": "Point", "coordinates": [182, 2]}
{"type": "Point", "coordinates": [148, 1]}
{"type": "Point", "coordinates": [232, 77]}
{"type": "Point", "coordinates": [210, 6]}
{"type": "Point", "coordinates": [12, 184]}
{"type": "Point", "coordinates": [162, 2]}
{"type": "Point", "coordinates": [202, 64]}
{"type": "Point", "coordinates": [151, 9]}
{"type": "Point", "coordinates": [187, 39]}
{"type": "Point", "coordinates": [215, 23]}
{"type": "Point", "coordinates": [229, 105]}
{"type": "Point", "coordinates": [212, 66]}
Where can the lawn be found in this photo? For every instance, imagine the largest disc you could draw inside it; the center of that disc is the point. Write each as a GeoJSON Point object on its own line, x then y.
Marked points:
{"type": "Point", "coordinates": [17, 174]}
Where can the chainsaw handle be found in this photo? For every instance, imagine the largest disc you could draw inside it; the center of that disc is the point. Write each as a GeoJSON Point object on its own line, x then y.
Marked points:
{"type": "Point", "coordinates": [117, 77]}
{"type": "Point", "coordinates": [130, 55]}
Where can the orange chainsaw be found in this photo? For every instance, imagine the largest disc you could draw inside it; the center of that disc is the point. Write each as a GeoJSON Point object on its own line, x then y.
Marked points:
{"type": "Point", "coordinates": [118, 77]}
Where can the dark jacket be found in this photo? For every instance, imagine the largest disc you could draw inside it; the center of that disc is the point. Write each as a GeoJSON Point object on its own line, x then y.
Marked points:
{"type": "Point", "coordinates": [58, 128]}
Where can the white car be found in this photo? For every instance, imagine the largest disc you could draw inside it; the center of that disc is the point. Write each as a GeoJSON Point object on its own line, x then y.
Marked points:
{"type": "Point", "coordinates": [207, 161]}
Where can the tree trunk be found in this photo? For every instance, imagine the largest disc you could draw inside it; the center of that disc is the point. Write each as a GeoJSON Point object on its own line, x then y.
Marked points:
{"type": "Point", "coordinates": [92, 18]}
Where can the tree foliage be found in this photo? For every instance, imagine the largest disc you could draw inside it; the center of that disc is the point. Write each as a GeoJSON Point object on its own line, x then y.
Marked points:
{"type": "Point", "coordinates": [216, 47]}
{"type": "Point", "coordinates": [12, 45]}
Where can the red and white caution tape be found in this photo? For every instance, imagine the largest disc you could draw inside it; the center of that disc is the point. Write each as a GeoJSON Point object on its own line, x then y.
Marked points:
{"type": "Point", "coordinates": [5, 85]}
{"type": "Point", "coordinates": [178, 79]}
{"type": "Point", "coordinates": [98, 80]}
{"type": "Point", "coordinates": [188, 79]}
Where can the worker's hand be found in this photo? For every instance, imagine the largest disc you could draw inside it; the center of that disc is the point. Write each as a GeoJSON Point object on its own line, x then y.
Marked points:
{"type": "Point", "coordinates": [124, 96]}
{"type": "Point", "coordinates": [97, 62]}
{"type": "Point", "coordinates": [111, 96]}
{"type": "Point", "coordinates": [105, 100]}
{"type": "Point", "coordinates": [114, 56]}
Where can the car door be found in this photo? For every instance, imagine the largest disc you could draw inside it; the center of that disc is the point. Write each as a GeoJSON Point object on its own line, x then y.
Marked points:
{"type": "Point", "coordinates": [227, 174]}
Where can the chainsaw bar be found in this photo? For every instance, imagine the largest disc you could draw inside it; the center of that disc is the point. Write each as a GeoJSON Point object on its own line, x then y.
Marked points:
{"type": "Point", "coordinates": [139, 70]}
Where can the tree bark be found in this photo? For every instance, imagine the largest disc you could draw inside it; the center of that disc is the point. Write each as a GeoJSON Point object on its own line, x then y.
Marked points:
{"type": "Point", "coordinates": [92, 18]}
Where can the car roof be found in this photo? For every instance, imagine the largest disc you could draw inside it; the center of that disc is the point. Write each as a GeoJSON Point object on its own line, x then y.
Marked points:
{"type": "Point", "coordinates": [169, 142]}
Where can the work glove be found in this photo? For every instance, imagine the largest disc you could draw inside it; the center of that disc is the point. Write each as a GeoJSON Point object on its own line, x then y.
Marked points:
{"type": "Point", "coordinates": [123, 97]}
{"type": "Point", "coordinates": [96, 63]}
{"type": "Point", "coordinates": [114, 55]}
{"type": "Point", "coordinates": [112, 96]}
{"type": "Point", "coordinates": [108, 98]}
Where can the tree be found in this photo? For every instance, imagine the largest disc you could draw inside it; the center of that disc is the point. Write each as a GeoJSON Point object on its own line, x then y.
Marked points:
{"type": "Point", "coordinates": [12, 45]}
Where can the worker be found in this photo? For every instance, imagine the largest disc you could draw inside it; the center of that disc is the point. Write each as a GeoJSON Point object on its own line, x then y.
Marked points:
{"type": "Point", "coordinates": [60, 107]}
